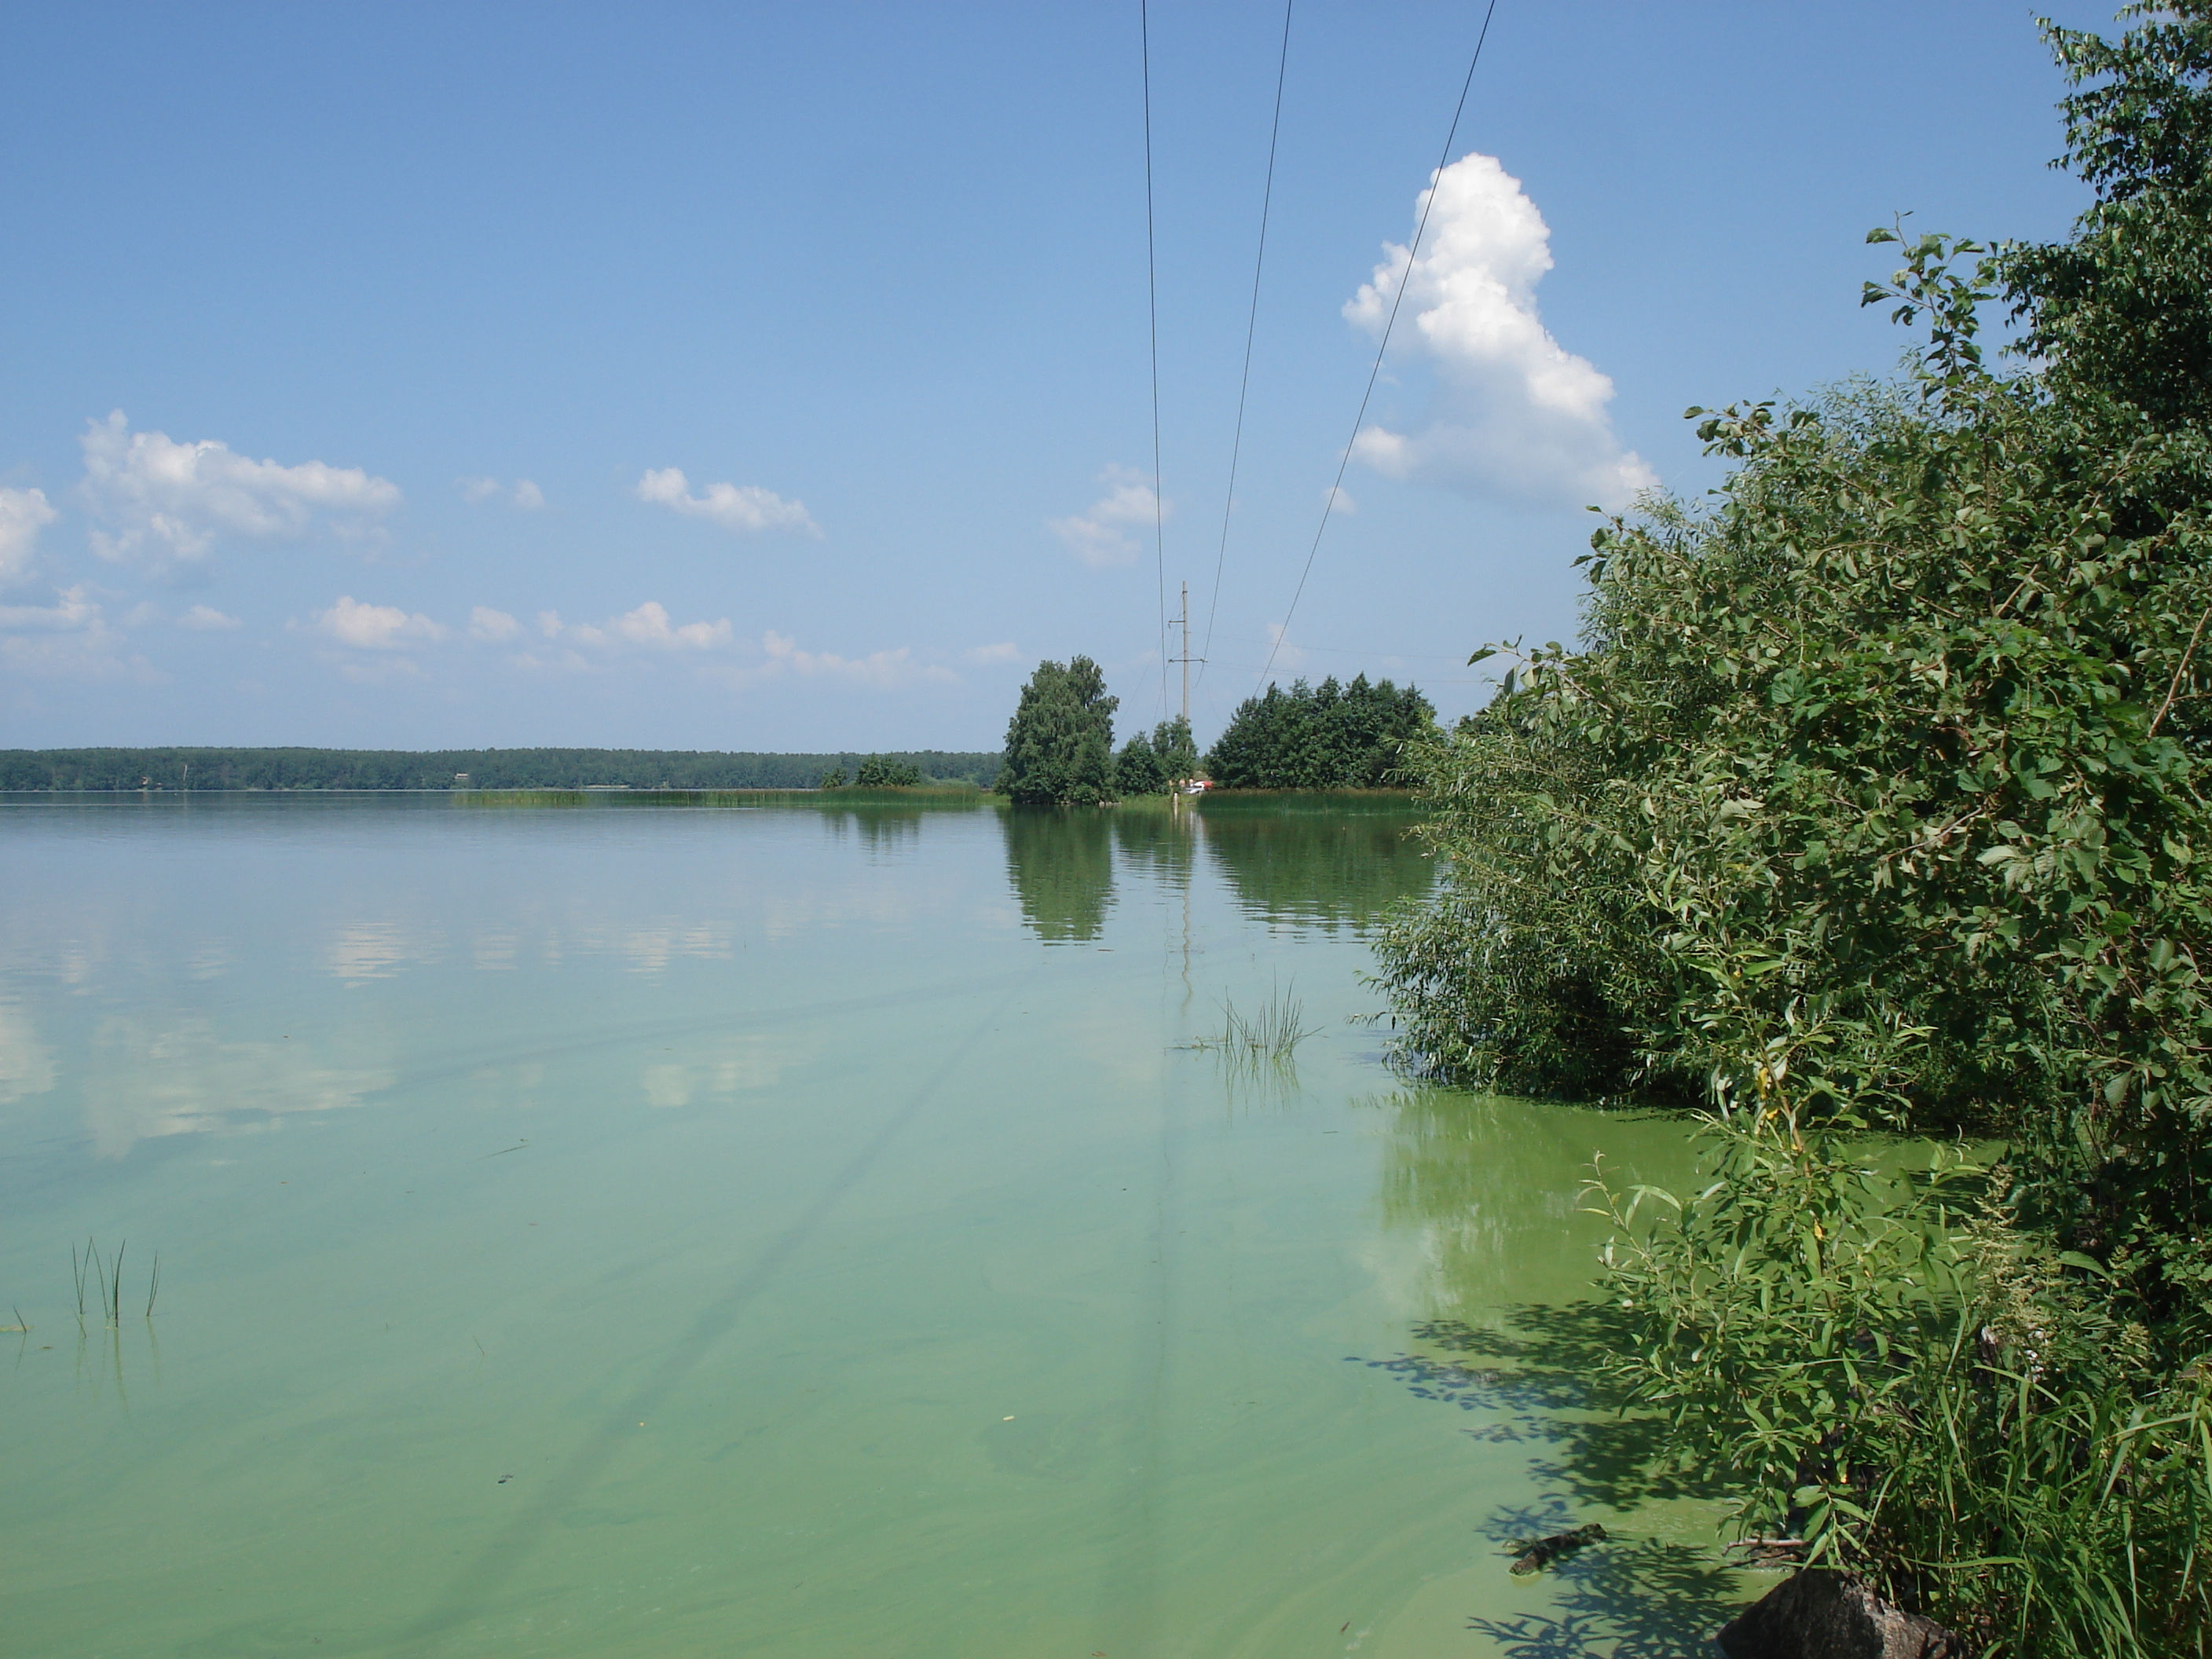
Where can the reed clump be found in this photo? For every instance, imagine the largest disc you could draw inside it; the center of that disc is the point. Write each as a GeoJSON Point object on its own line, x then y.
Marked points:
{"type": "Point", "coordinates": [1271, 1033]}
{"type": "Point", "coordinates": [99, 1282]}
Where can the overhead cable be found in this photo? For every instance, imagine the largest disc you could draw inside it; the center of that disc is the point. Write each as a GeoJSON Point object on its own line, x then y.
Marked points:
{"type": "Point", "coordinates": [1251, 325]}
{"type": "Point", "coordinates": [1153, 297]}
{"type": "Point", "coordinates": [1413, 254]}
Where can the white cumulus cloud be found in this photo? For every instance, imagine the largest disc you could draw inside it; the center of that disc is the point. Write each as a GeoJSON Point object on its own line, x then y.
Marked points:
{"type": "Point", "coordinates": [742, 509]}
{"type": "Point", "coordinates": [1517, 418]}
{"type": "Point", "coordinates": [23, 514]}
{"type": "Point", "coordinates": [163, 503]}
{"type": "Point", "coordinates": [375, 627]}
{"type": "Point", "coordinates": [1006, 651]}
{"type": "Point", "coordinates": [488, 624]}
{"type": "Point", "coordinates": [528, 497]}
{"type": "Point", "coordinates": [648, 625]}
{"type": "Point", "coordinates": [205, 618]}
{"type": "Point", "coordinates": [1101, 535]}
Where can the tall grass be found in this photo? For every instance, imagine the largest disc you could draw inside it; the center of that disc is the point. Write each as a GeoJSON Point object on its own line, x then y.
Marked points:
{"type": "Point", "coordinates": [1896, 1380]}
{"type": "Point", "coordinates": [1270, 1035]}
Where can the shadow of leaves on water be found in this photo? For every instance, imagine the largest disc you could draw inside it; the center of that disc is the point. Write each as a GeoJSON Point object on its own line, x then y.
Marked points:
{"type": "Point", "coordinates": [1538, 1377]}
{"type": "Point", "coordinates": [1641, 1600]}
{"type": "Point", "coordinates": [1540, 1373]}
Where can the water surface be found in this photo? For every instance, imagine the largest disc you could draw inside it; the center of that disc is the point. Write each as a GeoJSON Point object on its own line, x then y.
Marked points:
{"type": "Point", "coordinates": [639, 1230]}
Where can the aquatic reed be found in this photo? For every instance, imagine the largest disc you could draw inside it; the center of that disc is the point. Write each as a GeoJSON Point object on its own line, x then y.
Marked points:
{"type": "Point", "coordinates": [102, 1276]}
{"type": "Point", "coordinates": [1270, 1034]}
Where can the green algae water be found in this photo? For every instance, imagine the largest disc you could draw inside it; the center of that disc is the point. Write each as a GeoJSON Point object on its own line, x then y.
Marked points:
{"type": "Point", "coordinates": [802, 1229]}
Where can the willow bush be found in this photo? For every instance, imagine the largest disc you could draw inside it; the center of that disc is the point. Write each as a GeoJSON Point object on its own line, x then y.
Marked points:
{"type": "Point", "coordinates": [1874, 795]}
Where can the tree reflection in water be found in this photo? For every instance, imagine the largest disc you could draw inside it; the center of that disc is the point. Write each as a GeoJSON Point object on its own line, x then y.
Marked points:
{"type": "Point", "coordinates": [1159, 842]}
{"type": "Point", "coordinates": [882, 828]}
{"type": "Point", "coordinates": [1317, 860]}
{"type": "Point", "coordinates": [1061, 861]}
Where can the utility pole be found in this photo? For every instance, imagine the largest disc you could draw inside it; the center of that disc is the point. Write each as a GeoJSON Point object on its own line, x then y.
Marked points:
{"type": "Point", "coordinates": [1186, 660]}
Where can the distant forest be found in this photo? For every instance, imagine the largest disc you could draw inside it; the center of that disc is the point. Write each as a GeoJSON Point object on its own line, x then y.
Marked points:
{"type": "Point", "coordinates": [444, 768]}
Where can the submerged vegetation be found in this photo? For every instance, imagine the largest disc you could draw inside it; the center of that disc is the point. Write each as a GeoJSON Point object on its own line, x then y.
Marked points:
{"type": "Point", "coordinates": [1876, 800]}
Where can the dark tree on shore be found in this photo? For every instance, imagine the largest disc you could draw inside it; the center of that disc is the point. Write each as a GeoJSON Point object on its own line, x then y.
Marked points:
{"type": "Point", "coordinates": [1323, 737]}
{"type": "Point", "coordinates": [1150, 766]}
{"type": "Point", "coordinates": [1059, 743]}
{"type": "Point", "coordinates": [877, 773]}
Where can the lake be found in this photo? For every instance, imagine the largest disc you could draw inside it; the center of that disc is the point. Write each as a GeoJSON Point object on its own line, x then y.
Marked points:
{"type": "Point", "coordinates": [798, 1230]}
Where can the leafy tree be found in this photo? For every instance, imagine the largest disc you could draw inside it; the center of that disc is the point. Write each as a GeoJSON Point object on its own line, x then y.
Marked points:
{"type": "Point", "coordinates": [1137, 769]}
{"type": "Point", "coordinates": [1147, 766]}
{"type": "Point", "coordinates": [2124, 307]}
{"type": "Point", "coordinates": [1879, 793]}
{"type": "Point", "coordinates": [833, 779]}
{"type": "Point", "coordinates": [1177, 752]}
{"type": "Point", "coordinates": [1324, 736]}
{"type": "Point", "coordinates": [876, 773]}
{"type": "Point", "coordinates": [1059, 743]}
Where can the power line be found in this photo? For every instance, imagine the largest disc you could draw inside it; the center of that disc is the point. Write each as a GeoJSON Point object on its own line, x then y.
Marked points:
{"type": "Point", "coordinates": [1152, 296]}
{"type": "Point", "coordinates": [1413, 253]}
{"type": "Point", "coordinates": [1251, 325]}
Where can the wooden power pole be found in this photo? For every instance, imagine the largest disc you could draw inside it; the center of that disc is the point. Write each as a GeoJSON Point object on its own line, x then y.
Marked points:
{"type": "Point", "coordinates": [1186, 660]}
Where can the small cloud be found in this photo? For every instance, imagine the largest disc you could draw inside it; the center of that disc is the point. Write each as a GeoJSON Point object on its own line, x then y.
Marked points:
{"type": "Point", "coordinates": [376, 670]}
{"type": "Point", "coordinates": [375, 627]}
{"type": "Point", "coordinates": [73, 613]}
{"type": "Point", "coordinates": [886, 669]}
{"type": "Point", "coordinates": [742, 509]}
{"type": "Point", "coordinates": [205, 618]}
{"type": "Point", "coordinates": [23, 514]}
{"type": "Point", "coordinates": [163, 503]}
{"type": "Point", "coordinates": [1099, 537]}
{"type": "Point", "coordinates": [490, 625]}
{"type": "Point", "coordinates": [648, 625]}
{"type": "Point", "coordinates": [1517, 418]}
{"type": "Point", "coordinates": [525, 496]}
{"type": "Point", "coordinates": [1004, 652]}
{"type": "Point", "coordinates": [67, 640]}
{"type": "Point", "coordinates": [1338, 500]}
{"type": "Point", "coordinates": [1284, 655]}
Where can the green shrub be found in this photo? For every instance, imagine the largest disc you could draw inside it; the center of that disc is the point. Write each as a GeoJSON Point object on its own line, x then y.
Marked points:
{"type": "Point", "coordinates": [1879, 795]}
{"type": "Point", "coordinates": [1881, 1363]}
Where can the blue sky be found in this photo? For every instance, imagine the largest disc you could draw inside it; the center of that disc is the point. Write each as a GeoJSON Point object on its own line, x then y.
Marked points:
{"type": "Point", "coordinates": [776, 377]}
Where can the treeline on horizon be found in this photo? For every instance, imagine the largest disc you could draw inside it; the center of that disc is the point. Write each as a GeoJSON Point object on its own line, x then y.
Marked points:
{"type": "Point", "coordinates": [215, 768]}
{"type": "Point", "coordinates": [1059, 742]}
